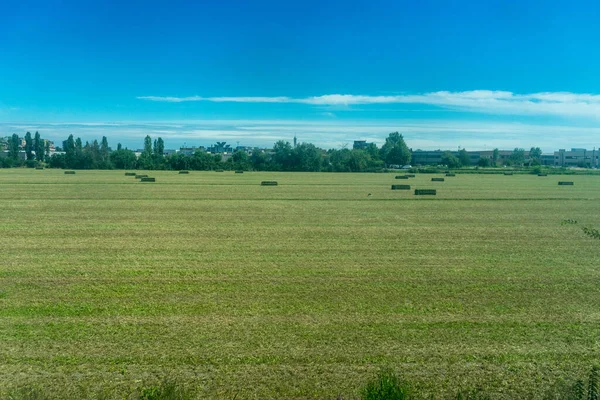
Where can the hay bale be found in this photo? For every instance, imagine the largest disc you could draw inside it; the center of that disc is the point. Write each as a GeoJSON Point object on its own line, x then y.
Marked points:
{"type": "Point", "coordinates": [141, 176]}
{"type": "Point", "coordinates": [565, 183]}
{"type": "Point", "coordinates": [130, 174]}
{"type": "Point", "coordinates": [39, 167]}
{"type": "Point", "coordinates": [69, 172]}
{"type": "Point", "coordinates": [147, 179]}
{"type": "Point", "coordinates": [239, 172]}
{"type": "Point", "coordinates": [219, 170]}
{"type": "Point", "coordinates": [450, 174]}
{"type": "Point", "coordinates": [508, 173]}
{"type": "Point", "coordinates": [542, 174]}
{"type": "Point", "coordinates": [400, 187]}
{"type": "Point", "coordinates": [401, 177]}
{"type": "Point", "coordinates": [437, 179]}
{"type": "Point", "coordinates": [184, 172]}
{"type": "Point", "coordinates": [268, 183]}
{"type": "Point", "coordinates": [420, 192]}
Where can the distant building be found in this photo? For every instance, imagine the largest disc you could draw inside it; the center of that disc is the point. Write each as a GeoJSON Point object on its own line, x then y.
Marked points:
{"type": "Point", "coordinates": [576, 158]}
{"type": "Point", "coordinates": [189, 151]}
{"type": "Point", "coordinates": [360, 144]}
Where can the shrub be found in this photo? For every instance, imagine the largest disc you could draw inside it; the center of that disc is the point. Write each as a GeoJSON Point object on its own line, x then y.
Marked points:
{"type": "Point", "coordinates": [268, 183]}
{"type": "Point", "coordinates": [400, 187]}
{"type": "Point", "coordinates": [591, 232]}
{"type": "Point", "coordinates": [385, 386]}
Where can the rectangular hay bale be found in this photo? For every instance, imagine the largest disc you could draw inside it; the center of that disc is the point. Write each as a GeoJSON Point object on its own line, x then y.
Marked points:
{"type": "Point", "coordinates": [147, 179]}
{"type": "Point", "coordinates": [239, 172]}
{"type": "Point", "coordinates": [420, 192]}
{"type": "Point", "coordinates": [69, 172]}
{"type": "Point", "coordinates": [566, 183]}
{"type": "Point", "coordinates": [400, 187]}
{"type": "Point", "coordinates": [542, 174]}
{"type": "Point", "coordinates": [184, 172]}
{"type": "Point", "coordinates": [508, 173]}
{"type": "Point", "coordinates": [450, 174]}
{"type": "Point", "coordinates": [401, 176]}
{"type": "Point", "coordinates": [130, 174]}
{"type": "Point", "coordinates": [437, 179]}
{"type": "Point", "coordinates": [141, 176]}
{"type": "Point", "coordinates": [268, 183]}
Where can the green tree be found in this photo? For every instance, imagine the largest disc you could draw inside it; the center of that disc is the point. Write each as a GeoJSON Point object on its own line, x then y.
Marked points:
{"type": "Point", "coordinates": [306, 157]}
{"type": "Point", "coordinates": [495, 157]}
{"type": "Point", "coordinates": [259, 160]}
{"type": "Point", "coordinates": [104, 149]}
{"type": "Point", "coordinates": [148, 145]}
{"type": "Point", "coordinates": [28, 146]}
{"type": "Point", "coordinates": [282, 155]}
{"type": "Point", "coordinates": [535, 156]}
{"type": "Point", "coordinates": [463, 156]}
{"type": "Point", "coordinates": [119, 147]}
{"type": "Point", "coordinates": [450, 160]}
{"type": "Point", "coordinates": [395, 151]}
{"type": "Point", "coordinates": [38, 146]}
{"type": "Point", "coordinates": [240, 160]}
{"type": "Point", "coordinates": [483, 162]}
{"type": "Point", "coordinates": [159, 147]}
{"type": "Point", "coordinates": [47, 150]}
{"type": "Point", "coordinates": [13, 147]}
{"type": "Point", "coordinates": [517, 157]}
{"type": "Point", "coordinates": [123, 159]}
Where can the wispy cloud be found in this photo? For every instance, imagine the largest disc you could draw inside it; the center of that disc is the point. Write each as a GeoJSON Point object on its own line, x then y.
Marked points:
{"type": "Point", "coordinates": [483, 101]}
{"type": "Point", "coordinates": [331, 133]}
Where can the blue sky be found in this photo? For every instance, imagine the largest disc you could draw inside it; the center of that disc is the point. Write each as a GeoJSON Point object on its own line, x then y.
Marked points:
{"type": "Point", "coordinates": [475, 74]}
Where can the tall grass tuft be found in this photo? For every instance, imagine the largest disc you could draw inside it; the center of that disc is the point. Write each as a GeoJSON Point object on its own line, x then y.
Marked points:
{"type": "Point", "coordinates": [593, 384]}
{"type": "Point", "coordinates": [386, 386]}
{"type": "Point", "coordinates": [166, 390]}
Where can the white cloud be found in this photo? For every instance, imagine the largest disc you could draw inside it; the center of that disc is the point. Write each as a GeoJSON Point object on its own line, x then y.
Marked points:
{"type": "Point", "coordinates": [484, 101]}
{"type": "Point", "coordinates": [332, 133]}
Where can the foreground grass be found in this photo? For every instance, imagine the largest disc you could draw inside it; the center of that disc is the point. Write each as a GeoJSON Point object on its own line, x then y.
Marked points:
{"type": "Point", "coordinates": [298, 291]}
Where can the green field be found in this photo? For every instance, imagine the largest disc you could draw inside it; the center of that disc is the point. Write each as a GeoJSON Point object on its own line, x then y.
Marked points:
{"type": "Point", "coordinates": [303, 290]}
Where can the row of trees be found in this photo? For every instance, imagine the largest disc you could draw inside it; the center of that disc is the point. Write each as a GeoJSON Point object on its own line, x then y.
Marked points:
{"type": "Point", "coordinates": [36, 149]}
{"type": "Point", "coordinates": [517, 158]}
{"type": "Point", "coordinates": [283, 157]}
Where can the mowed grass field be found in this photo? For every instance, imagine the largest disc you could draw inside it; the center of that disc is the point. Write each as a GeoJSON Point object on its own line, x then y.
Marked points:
{"type": "Point", "coordinates": [303, 290]}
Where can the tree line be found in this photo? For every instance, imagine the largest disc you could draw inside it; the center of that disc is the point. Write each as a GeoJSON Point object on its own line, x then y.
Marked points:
{"type": "Point", "coordinates": [282, 157]}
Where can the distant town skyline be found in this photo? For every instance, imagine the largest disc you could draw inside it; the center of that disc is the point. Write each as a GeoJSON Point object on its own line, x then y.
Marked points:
{"type": "Point", "coordinates": [473, 74]}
